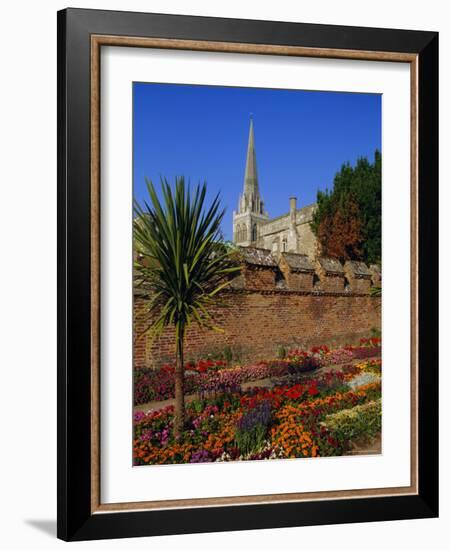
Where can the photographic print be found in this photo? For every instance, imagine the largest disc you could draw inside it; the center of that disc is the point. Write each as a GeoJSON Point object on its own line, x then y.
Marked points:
{"type": "Point", "coordinates": [239, 228]}
{"type": "Point", "coordinates": [257, 274]}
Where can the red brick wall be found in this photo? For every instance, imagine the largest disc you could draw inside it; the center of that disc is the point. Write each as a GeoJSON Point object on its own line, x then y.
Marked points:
{"type": "Point", "coordinates": [300, 281]}
{"type": "Point", "coordinates": [258, 278]}
{"type": "Point", "coordinates": [361, 286]}
{"type": "Point", "coordinates": [256, 323]}
{"type": "Point", "coordinates": [141, 341]}
{"type": "Point", "coordinates": [332, 283]}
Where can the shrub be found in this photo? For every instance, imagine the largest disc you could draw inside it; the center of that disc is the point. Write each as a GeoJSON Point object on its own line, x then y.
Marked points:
{"type": "Point", "coordinates": [281, 352]}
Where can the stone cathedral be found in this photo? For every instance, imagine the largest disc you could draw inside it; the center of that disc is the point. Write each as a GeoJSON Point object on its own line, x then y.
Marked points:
{"type": "Point", "coordinates": [252, 225]}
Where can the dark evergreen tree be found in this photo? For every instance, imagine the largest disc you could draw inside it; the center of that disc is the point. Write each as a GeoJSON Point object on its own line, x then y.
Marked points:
{"type": "Point", "coordinates": [347, 221]}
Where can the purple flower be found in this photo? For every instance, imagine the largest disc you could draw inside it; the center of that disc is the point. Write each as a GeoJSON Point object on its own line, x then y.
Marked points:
{"type": "Point", "coordinates": [146, 435]}
{"type": "Point", "coordinates": [196, 422]}
{"type": "Point", "coordinates": [200, 456]}
{"type": "Point", "coordinates": [260, 415]}
{"type": "Point", "coordinates": [164, 437]}
{"type": "Point", "coordinates": [138, 416]}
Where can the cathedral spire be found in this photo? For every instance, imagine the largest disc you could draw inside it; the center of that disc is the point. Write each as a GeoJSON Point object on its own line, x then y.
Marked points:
{"type": "Point", "coordinates": [251, 187]}
{"type": "Point", "coordinates": [250, 215]}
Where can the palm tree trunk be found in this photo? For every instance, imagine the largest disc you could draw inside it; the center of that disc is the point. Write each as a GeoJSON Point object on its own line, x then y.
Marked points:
{"type": "Point", "coordinates": [179, 386]}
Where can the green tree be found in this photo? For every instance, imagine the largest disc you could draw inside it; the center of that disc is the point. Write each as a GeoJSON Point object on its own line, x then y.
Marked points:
{"type": "Point", "coordinates": [356, 195]}
{"type": "Point", "coordinates": [182, 266]}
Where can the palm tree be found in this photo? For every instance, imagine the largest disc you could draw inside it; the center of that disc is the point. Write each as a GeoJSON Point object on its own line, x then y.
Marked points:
{"type": "Point", "coordinates": [183, 265]}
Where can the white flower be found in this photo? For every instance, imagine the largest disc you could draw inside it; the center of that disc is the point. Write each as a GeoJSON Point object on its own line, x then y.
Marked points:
{"type": "Point", "coordinates": [363, 379]}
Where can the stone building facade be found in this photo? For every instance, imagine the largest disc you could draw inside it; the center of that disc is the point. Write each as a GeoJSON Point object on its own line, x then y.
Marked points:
{"type": "Point", "coordinates": [252, 225]}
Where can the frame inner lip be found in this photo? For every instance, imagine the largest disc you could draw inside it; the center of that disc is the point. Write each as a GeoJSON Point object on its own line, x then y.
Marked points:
{"type": "Point", "coordinates": [219, 46]}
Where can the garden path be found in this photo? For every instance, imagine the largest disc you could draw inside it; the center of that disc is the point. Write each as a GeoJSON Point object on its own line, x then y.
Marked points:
{"type": "Point", "coordinates": [156, 405]}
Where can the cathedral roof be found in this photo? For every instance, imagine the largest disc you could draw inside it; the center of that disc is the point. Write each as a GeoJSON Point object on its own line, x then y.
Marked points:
{"type": "Point", "coordinates": [305, 214]}
{"type": "Point", "coordinates": [257, 256]}
{"type": "Point", "coordinates": [298, 262]}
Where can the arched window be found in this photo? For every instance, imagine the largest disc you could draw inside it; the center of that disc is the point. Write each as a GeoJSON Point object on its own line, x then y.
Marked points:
{"type": "Point", "coordinates": [284, 245]}
{"type": "Point", "coordinates": [244, 232]}
{"type": "Point", "coordinates": [254, 232]}
{"type": "Point", "coordinates": [238, 233]}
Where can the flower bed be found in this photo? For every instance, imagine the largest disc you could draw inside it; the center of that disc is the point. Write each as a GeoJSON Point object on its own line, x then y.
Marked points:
{"type": "Point", "coordinates": [362, 420]}
{"type": "Point", "coordinates": [283, 422]}
{"type": "Point", "coordinates": [207, 376]}
{"type": "Point", "coordinates": [159, 384]}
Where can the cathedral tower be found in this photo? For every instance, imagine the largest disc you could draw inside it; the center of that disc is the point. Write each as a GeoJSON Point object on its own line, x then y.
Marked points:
{"type": "Point", "coordinates": [250, 214]}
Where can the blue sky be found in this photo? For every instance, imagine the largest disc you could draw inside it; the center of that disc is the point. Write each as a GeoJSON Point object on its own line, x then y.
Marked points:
{"type": "Point", "coordinates": [301, 139]}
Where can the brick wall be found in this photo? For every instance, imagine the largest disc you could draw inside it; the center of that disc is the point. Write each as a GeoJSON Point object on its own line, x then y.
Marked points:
{"type": "Point", "coordinates": [332, 283]}
{"type": "Point", "coordinates": [361, 286]}
{"type": "Point", "coordinates": [299, 281]}
{"type": "Point", "coordinates": [256, 322]}
{"type": "Point", "coordinates": [259, 278]}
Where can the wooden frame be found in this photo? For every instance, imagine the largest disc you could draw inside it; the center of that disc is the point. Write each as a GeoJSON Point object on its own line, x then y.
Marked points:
{"type": "Point", "coordinates": [81, 34]}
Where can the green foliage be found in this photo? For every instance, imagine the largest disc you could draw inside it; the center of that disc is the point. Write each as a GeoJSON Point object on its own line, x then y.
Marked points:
{"type": "Point", "coordinates": [362, 420]}
{"type": "Point", "coordinates": [182, 266]}
{"type": "Point", "coordinates": [228, 354]}
{"type": "Point", "coordinates": [183, 263]}
{"type": "Point", "coordinates": [249, 441]}
{"type": "Point", "coordinates": [252, 427]}
{"type": "Point", "coordinates": [373, 366]}
{"type": "Point", "coordinates": [375, 332]}
{"type": "Point", "coordinates": [196, 405]}
{"type": "Point", "coordinates": [357, 188]}
{"type": "Point", "coordinates": [281, 352]}
{"type": "Point", "coordinates": [231, 399]}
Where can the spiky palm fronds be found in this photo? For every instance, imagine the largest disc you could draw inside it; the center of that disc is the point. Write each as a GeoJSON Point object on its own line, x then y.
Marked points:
{"type": "Point", "coordinates": [183, 262]}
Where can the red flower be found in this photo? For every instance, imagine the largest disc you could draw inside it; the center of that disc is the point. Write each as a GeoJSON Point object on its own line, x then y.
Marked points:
{"type": "Point", "coordinates": [295, 392]}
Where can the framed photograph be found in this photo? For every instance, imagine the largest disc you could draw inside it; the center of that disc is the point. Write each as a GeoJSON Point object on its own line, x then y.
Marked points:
{"type": "Point", "coordinates": [247, 277]}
